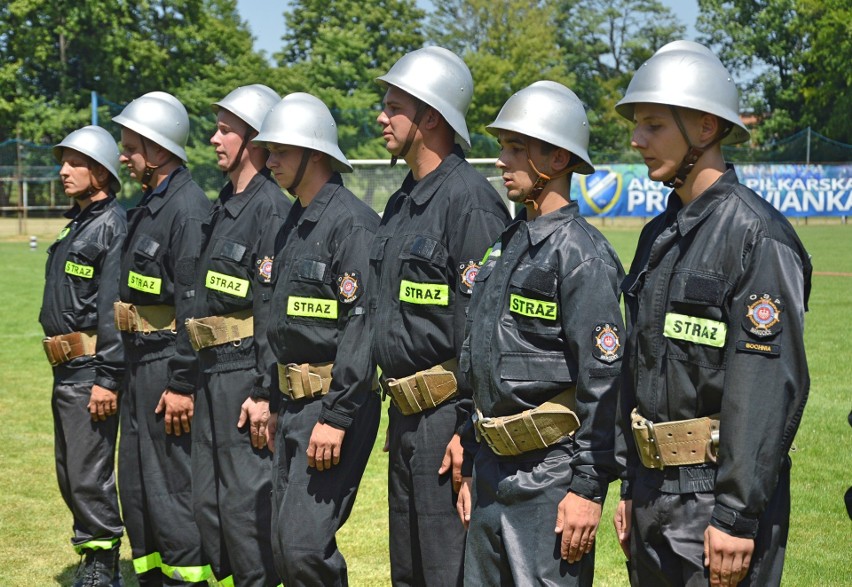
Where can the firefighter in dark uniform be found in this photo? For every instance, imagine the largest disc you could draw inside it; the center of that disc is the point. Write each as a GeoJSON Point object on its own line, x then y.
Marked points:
{"type": "Point", "coordinates": [156, 292]}
{"type": "Point", "coordinates": [433, 234]}
{"type": "Point", "coordinates": [716, 375]}
{"type": "Point", "coordinates": [327, 412]}
{"type": "Point", "coordinates": [231, 466]}
{"type": "Point", "coordinates": [543, 356]}
{"type": "Point", "coordinates": [85, 349]}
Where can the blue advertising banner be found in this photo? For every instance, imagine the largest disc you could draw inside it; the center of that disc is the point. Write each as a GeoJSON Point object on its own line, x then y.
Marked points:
{"type": "Point", "coordinates": [795, 190]}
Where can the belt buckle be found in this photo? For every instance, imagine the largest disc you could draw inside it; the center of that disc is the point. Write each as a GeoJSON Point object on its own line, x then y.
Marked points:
{"type": "Point", "coordinates": [652, 439]}
{"type": "Point", "coordinates": [712, 446]}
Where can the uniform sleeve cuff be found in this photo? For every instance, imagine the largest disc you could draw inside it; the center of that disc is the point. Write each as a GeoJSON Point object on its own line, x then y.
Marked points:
{"type": "Point", "coordinates": [107, 383]}
{"type": "Point", "coordinates": [733, 522]}
{"type": "Point", "coordinates": [258, 392]}
{"type": "Point", "coordinates": [337, 420]}
{"type": "Point", "coordinates": [626, 489]}
{"type": "Point", "coordinates": [181, 387]}
{"type": "Point", "coordinates": [588, 487]}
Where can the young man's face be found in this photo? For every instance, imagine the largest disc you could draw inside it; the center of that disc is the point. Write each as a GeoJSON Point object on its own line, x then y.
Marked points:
{"type": "Point", "coordinates": [284, 161]}
{"type": "Point", "coordinates": [76, 172]}
{"type": "Point", "coordinates": [132, 153]}
{"type": "Point", "coordinates": [658, 139]}
{"type": "Point", "coordinates": [398, 112]}
{"type": "Point", "coordinates": [227, 139]}
{"type": "Point", "coordinates": [515, 152]}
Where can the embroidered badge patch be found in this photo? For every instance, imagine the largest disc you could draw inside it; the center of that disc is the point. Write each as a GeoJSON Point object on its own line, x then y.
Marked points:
{"type": "Point", "coordinates": [763, 315]}
{"type": "Point", "coordinates": [467, 274]}
{"type": "Point", "coordinates": [348, 286]}
{"type": "Point", "coordinates": [264, 269]}
{"type": "Point", "coordinates": [63, 233]}
{"type": "Point", "coordinates": [607, 343]}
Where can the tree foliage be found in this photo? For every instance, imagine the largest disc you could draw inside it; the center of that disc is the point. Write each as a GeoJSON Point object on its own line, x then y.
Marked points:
{"type": "Point", "coordinates": [335, 49]}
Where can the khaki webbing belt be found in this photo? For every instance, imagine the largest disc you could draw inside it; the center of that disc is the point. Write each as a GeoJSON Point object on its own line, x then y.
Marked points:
{"type": "Point", "coordinates": [64, 347]}
{"type": "Point", "coordinates": [145, 319]}
{"type": "Point", "coordinates": [216, 330]}
{"type": "Point", "coordinates": [305, 380]}
{"type": "Point", "coordinates": [425, 389]}
{"type": "Point", "coordinates": [532, 429]}
{"type": "Point", "coordinates": [671, 444]}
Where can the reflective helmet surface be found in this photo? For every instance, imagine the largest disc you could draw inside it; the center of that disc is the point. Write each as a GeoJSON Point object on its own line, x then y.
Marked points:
{"type": "Point", "coordinates": [95, 143]}
{"type": "Point", "coordinates": [160, 118]}
{"type": "Point", "coordinates": [250, 104]}
{"type": "Point", "coordinates": [688, 75]}
{"type": "Point", "coordinates": [550, 112]}
{"type": "Point", "coordinates": [303, 120]}
{"type": "Point", "coordinates": [439, 78]}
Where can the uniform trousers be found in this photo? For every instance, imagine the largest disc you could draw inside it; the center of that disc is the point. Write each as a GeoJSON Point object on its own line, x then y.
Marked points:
{"type": "Point", "coordinates": [667, 537]}
{"type": "Point", "coordinates": [426, 536]}
{"type": "Point", "coordinates": [309, 505]}
{"type": "Point", "coordinates": [85, 458]}
{"type": "Point", "coordinates": [231, 483]}
{"type": "Point", "coordinates": [511, 540]}
{"type": "Point", "coordinates": [155, 484]}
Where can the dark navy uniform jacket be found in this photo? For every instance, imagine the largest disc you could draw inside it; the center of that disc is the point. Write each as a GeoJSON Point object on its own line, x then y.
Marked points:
{"type": "Point", "coordinates": [234, 272]}
{"type": "Point", "coordinates": [158, 267]}
{"type": "Point", "coordinates": [319, 307]}
{"type": "Point", "coordinates": [715, 302]}
{"type": "Point", "coordinates": [544, 318]}
{"type": "Point", "coordinates": [426, 252]}
{"type": "Point", "coordinates": [81, 283]}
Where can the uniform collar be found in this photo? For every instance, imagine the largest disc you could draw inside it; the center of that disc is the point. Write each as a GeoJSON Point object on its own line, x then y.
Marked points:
{"type": "Point", "coordinates": [543, 226]}
{"type": "Point", "coordinates": [235, 203]}
{"type": "Point", "coordinates": [690, 216]}
{"type": "Point", "coordinates": [156, 198]}
{"type": "Point", "coordinates": [92, 209]}
{"type": "Point", "coordinates": [423, 190]}
{"type": "Point", "coordinates": [317, 206]}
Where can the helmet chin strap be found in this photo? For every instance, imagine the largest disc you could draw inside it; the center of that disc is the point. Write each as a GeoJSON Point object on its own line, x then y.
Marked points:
{"type": "Point", "coordinates": [236, 160]}
{"type": "Point", "coordinates": [412, 130]}
{"type": "Point", "coordinates": [300, 173]}
{"type": "Point", "coordinates": [693, 153]}
{"type": "Point", "coordinates": [149, 169]}
{"type": "Point", "coordinates": [542, 180]}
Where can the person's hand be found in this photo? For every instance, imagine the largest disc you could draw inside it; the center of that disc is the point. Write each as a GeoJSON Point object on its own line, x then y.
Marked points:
{"type": "Point", "coordinates": [255, 412]}
{"type": "Point", "coordinates": [728, 557]}
{"type": "Point", "coordinates": [621, 521]}
{"type": "Point", "coordinates": [577, 519]}
{"type": "Point", "coordinates": [453, 461]}
{"type": "Point", "coordinates": [324, 446]}
{"type": "Point", "coordinates": [103, 403]}
{"type": "Point", "coordinates": [179, 409]}
{"type": "Point", "coordinates": [464, 503]}
{"type": "Point", "coordinates": [271, 427]}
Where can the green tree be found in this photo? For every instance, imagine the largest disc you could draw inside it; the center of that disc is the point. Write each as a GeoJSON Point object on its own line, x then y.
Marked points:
{"type": "Point", "coordinates": [335, 49]}
{"type": "Point", "coordinates": [508, 44]}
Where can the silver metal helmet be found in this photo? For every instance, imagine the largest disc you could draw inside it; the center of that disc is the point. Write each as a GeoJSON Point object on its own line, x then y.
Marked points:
{"type": "Point", "coordinates": [97, 144]}
{"type": "Point", "coordinates": [440, 78]}
{"type": "Point", "coordinates": [250, 103]}
{"type": "Point", "coordinates": [160, 118]}
{"type": "Point", "coordinates": [550, 112]}
{"type": "Point", "coordinates": [303, 120]}
{"type": "Point", "coordinates": [688, 75]}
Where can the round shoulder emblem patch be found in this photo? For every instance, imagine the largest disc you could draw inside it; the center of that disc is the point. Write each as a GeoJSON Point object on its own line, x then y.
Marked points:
{"type": "Point", "coordinates": [264, 269]}
{"type": "Point", "coordinates": [763, 315]}
{"type": "Point", "coordinates": [607, 343]}
{"type": "Point", "coordinates": [467, 275]}
{"type": "Point", "coordinates": [347, 287]}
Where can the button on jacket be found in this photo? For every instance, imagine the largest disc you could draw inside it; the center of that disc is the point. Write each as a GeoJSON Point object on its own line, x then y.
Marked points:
{"type": "Point", "coordinates": [318, 311]}
{"type": "Point", "coordinates": [82, 283]}
{"type": "Point", "coordinates": [543, 303]}
{"type": "Point", "coordinates": [715, 301]}
{"type": "Point", "coordinates": [238, 251]}
{"type": "Point", "coordinates": [159, 260]}
{"type": "Point", "coordinates": [431, 233]}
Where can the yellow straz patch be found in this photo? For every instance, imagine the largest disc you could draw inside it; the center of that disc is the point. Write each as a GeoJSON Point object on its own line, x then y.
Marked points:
{"type": "Point", "coordinates": [84, 271]}
{"type": "Point", "coordinates": [137, 281]}
{"type": "Point", "coordinates": [227, 284]}
{"type": "Point", "coordinates": [698, 330]}
{"type": "Point", "coordinates": [437, 294]}
{"type": "Point", "coordinates": [312, 307]}
{"type": "Point", "coordinates": [532, 308]}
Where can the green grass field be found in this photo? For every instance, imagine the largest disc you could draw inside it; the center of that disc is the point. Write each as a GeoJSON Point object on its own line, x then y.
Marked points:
{"type": "Point", "coordinates": [35, 525]}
